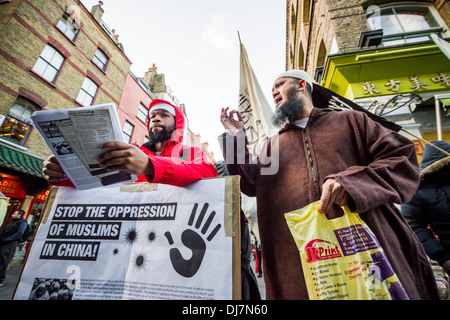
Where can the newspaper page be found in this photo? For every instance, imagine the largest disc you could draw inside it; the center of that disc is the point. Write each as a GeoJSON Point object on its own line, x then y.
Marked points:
{"type": "Point", "coordinates": [65, 127]}
{"type": "Point", "coordinates": [75, 149]}
{"type": "Point", "coordinates": [96, 129]}
{"type": "Point", "coordinates": [135, 245]}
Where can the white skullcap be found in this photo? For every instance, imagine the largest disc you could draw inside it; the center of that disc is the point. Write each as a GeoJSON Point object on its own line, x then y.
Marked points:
{"type": "Point", "coordinates": [163, 106]}
{"type": "Point", "coordinates": [297, 74]}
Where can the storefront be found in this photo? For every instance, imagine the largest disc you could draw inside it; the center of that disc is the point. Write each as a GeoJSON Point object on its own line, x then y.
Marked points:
{"type": "Point", "coordinates": [408, 85]}
{"type": "Point", "coordinates": [22, 182]}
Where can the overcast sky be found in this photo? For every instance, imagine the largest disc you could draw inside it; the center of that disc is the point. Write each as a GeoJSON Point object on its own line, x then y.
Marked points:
{"type": "Point", "coordinates": [195, 44]}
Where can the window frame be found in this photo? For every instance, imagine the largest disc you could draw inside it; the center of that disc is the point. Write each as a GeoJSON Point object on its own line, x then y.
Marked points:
{"type": "Point", "coordinates": [27, 105]}
{"type": "Point", "coordinates": [406, 37]}
{"type": "Point", "coordinates": [97, 61]}
{"type": "Point", "coordinates": [86, 93]}
{"type": "Point", "coordinates": [125, 134]}
{"type": "Point", "coordinates": [140, 113]}
{"type": "Point", "coordinates": [64, 20]}
{"type": "Point", "coordinates": [34, 69]}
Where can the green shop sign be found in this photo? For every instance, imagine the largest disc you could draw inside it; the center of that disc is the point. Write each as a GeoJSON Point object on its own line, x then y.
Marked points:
{"type": "Point", "coordinates": [385, 71]}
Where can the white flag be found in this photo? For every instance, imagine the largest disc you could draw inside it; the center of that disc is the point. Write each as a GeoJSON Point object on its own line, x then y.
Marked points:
{"type": "Point", "coordinates": [442, 44]}
{"type": "Point", "coordinates": [257, 115]}
{"type": "Point", "coordinates": [253, 107]}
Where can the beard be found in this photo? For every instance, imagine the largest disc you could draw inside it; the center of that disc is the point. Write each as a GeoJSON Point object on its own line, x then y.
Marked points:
{"type": "Point", "coordinates": [288, 112]}
{"type": "Point", "coordinates": [154, 138]}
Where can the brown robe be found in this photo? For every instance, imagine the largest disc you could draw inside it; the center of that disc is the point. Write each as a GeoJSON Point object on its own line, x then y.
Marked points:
{"type": "Point", "coordinates": [375, 165]}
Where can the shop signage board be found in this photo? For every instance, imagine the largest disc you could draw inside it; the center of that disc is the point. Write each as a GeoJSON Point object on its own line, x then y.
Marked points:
{"type": "Point", "coordinates": [414, 68]}
{"type": "Point", "coordinates": [137, 241]}
{"type": "Point", "coordinates": [12, 189]}
{"type": "Point", "coordinates": [413, 83]}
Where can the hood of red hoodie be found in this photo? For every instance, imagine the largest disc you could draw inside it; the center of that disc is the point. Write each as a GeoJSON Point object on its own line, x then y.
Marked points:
{"type": "Point", "coordinates": [177, 135]}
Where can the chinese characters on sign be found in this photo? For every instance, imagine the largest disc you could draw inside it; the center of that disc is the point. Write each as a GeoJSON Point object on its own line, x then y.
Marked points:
{"type": "Point", "coordinates": [370, 88]}
{"type": "Point", "coordinates": [415, 84]}
{"type": "Point", "coordinates": [442, 78]}
{"type": "Point", "coordinates": [393, 85]}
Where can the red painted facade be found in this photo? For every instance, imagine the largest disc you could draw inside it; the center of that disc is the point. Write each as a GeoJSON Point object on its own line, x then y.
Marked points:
{"type": "Point", "coordinates": [132, 96]}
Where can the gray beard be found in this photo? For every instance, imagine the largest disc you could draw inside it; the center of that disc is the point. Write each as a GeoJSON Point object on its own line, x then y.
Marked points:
{"type": "Point", "coordinates": [288, 112]}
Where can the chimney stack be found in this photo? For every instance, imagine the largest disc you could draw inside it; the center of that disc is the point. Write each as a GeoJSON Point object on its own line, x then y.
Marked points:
{"type": "Point", "coordinates": [97, 11]}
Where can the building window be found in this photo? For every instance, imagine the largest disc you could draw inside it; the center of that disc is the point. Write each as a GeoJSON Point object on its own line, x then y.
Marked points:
{"type": "Point", "coordinates": [87, 93]}
{"type": "Point", "coordinates": [68, 26]}
{"type": "Point", "coordinates": [127, 132]}
{"type": "Point", "coordinates": [405, 23]}
{"type": "Point", "coordinates": [17, 124]}
{"type": "Point", "coordinates": [100, 59]}
{"type": "Point", "coordinates": [49, 64]}
{"type": "Point", "coordinates": [142, 113]}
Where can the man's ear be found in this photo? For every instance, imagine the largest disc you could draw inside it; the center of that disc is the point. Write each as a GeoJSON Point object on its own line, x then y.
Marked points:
{"type": "Point", "coordinates": [301, 85]}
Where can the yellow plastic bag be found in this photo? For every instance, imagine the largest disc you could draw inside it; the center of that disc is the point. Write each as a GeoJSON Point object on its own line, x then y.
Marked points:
{"type": "Point", "coordinates": [341, 258]}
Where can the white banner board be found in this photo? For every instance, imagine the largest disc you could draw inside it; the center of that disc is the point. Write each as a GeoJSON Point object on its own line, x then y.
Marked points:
{"type": "Point", "coordinates": [136, 241]}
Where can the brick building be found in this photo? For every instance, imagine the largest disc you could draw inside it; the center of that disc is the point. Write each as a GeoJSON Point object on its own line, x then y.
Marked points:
{"type": "Point", "coordinates": [133, 109]}
{"type": "Point", "coordinates": [53, 54]}
{"type": "Point", "coordinates": [318, 28]}
{"type": "Point", "coordinates": [388, 56]}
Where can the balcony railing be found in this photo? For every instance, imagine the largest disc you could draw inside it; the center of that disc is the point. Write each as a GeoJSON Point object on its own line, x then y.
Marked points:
{"type": "Point", "coordinates": [410, 37]}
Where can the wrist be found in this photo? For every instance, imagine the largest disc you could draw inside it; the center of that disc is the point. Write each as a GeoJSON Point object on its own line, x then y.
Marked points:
{"type": "Point", "coordinates": [149, 170]}
{"type": "Point", "coordinates": [238, 132]}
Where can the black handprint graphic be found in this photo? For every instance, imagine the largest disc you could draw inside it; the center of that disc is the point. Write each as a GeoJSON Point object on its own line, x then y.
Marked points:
{"type": "Point", "coordinates": [194, 241]}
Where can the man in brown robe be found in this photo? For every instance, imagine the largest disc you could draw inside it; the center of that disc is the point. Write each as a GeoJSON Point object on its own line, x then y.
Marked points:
{"type": "Point", "coordinates": [337, 157]}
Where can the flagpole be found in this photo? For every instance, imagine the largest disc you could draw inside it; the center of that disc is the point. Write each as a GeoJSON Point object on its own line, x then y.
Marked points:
{"type": "Point", "coordinates": [426, 142]}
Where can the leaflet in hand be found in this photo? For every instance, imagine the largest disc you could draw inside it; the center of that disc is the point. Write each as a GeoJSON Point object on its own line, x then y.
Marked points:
{"type": "Point", "coordinates": [75, 135]}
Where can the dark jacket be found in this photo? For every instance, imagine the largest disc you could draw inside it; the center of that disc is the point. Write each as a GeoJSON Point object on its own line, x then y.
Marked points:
{"type": "Point", "coordinates": [428, 212]}
{"type": "Point", "coordinates": [13, 231]}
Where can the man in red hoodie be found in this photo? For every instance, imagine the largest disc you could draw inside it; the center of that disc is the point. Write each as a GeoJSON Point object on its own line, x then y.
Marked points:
{"type": "Point", "coordinates": [163, 159]}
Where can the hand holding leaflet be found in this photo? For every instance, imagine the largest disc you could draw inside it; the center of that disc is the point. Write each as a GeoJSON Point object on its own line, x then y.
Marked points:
{"type": "Point", "coordinates": [75, 135]}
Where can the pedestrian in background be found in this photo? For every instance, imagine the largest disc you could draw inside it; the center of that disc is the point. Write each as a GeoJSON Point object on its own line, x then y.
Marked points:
{"type": "Point", "coordinates": [9, 240]}
{"type": "Point", "coordinates": [428, 212]}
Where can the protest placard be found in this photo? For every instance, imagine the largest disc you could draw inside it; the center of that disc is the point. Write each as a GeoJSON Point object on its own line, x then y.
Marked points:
{"type": "Point", "coordinates": [137, 241]}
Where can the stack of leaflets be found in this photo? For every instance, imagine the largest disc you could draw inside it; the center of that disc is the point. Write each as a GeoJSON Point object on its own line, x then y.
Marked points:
{"type": "Point", "coordinates": [75, 135]}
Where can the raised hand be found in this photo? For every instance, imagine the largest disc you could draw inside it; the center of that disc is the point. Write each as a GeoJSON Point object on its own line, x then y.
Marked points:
{"type": "Point", "coordinates": [231, 125]}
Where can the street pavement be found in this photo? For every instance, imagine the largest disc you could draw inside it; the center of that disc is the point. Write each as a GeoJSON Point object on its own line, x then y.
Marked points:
{"type": "Point", "coordinates": [12, 275]}
{"type": "Point", "coordinates": [261, 285]}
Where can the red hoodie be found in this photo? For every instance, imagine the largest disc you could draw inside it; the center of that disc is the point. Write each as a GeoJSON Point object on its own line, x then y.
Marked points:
{"type": "Point", "coordinates": [177, 164]}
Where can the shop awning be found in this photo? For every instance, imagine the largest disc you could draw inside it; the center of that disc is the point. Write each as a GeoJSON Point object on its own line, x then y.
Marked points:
{"type": "Point", "coordinates": [22, 161]}
{"type": "Point", "coordinates": [414, 68]}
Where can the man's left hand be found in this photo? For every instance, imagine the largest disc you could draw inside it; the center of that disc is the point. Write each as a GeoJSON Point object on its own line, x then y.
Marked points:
{"type": "Point", "coordinates": [332, 192]}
